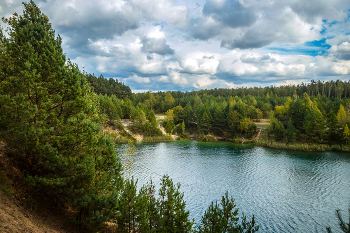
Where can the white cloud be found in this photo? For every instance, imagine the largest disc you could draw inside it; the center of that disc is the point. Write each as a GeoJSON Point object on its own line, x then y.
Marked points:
{"type": "Point", "coordinates": [202, 44]}
{"type": "Point", "coordinates": [139, 79]}
{"type": "Point", "coordinates": [199, 63]}
{"type": "Point", "coordinates": [164, 79]}
{"type": "Point", "coordinates": [203, 82]}
{"type": "Point", "coordinates": [156, 32]}
{"type": "Point", "coordinates": [178, 79]}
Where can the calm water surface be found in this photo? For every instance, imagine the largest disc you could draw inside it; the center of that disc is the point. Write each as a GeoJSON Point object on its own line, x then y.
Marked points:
{"type": "Point", "coordinates": [286, 191]}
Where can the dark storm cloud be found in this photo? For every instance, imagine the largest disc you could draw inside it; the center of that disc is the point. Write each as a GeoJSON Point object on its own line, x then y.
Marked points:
{"type": "Point", "coordinates": [254, 38]}
{"type": "Point", "coordinates": [345, 56]}
{"type": "Point", "coordinates": [89, 22]}
{"type": "Point", "coordinates": [203, 29]}
{"type": "Point", "coordinates": [215, 18]}
{"type": "Point", "coordinates": [153, 45]}
{"type": "Point", "coordinates": [311, 10]}
{"type": "Point", "coordinates": [231, 13]}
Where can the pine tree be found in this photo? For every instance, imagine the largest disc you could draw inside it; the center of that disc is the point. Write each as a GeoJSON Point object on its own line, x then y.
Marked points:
{"type": "Point", "coordinates": [132, 212]}
{"type": "Point", "coordinates": [297, 113]}
{"type": "Point", "coordinates": [173, 216]}
{"type": "Point", "coordinates": [183, 128]}
{"type": "Point", "coordinates": [314, 125]}
{"type": "Point", "coordinates": [224, 218]}
{"type": "Point", "coordinates": [205, 122]}
{"type": "Point", "coordinates": [333, 128]}
{"type": "Point", "coordinates": [49, 120]}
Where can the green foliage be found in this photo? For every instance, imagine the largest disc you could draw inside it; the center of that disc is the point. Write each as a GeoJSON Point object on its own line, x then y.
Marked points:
{"type": "Point", "coordinates": [132, 212]}
{"type": "Point", "coordinates": [224, 218]}
{"type": "Point", "coordinates": [341, 116]}
{"type": "Point", "coordinates": [205, 122]}
{"type": "Point", "coordinates": [173, 216]}
{"type": "Point", "coordinates": [50, 123]}
{"type": "Point", "coordinates": [109, 87]}
{"type": "Point", "coordinates": [148, 127]}
{"type": "Point", "coordinates": [207, 138]}
{"type": "Point", "coordinates": [291, 132]}
{"type": "Point", "coordinates": [143, 211]}
{"type": "Point", "coordinates": [333, 130]}
{"type": "Point", "coordinates": [110, 106]}
{"type": "Point", "coordinates": [297, 112]}
{"type": "Point", "coordinates": [315, 125]}
{"type": "Point", "coordinates": [276, 129]}
{"type": "Point", "coordinates": [158, 139]}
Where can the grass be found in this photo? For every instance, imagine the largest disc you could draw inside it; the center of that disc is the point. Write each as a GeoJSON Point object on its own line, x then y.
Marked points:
{"type": "Point", "coordinates": [158, 139]}
{"type": "Point", "coordinates": [208, 138]}
{"type": "Point", "coordinates": [263, 124]}
{"type": "Point", "coordinates": [302, 146]}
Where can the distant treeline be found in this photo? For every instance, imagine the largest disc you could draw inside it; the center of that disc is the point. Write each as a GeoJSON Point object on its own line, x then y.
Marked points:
{"type": "Point", "coordinates": [298, 113]}
{"type": "Point", "coordinates": [335, 89]}
{"type": "Point", "coordinates": [109, 87]}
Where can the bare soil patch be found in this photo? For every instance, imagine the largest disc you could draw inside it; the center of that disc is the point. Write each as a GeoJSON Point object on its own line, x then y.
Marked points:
{"type": "Point", "coordinates": [26, 209]}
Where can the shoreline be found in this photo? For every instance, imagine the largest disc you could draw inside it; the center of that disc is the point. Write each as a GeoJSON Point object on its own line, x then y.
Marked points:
{"type": "Point", "coordinates": [275, 145]}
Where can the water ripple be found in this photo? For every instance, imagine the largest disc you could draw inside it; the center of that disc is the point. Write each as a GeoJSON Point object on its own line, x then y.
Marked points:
{"type": "Point", "coordinates": [286, 191]}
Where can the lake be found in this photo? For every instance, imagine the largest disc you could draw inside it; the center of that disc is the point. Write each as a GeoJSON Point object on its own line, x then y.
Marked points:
{"type": "Point", "coordinates": [287, 191]}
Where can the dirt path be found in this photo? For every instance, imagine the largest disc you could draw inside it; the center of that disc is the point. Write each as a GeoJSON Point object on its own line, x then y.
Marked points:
{"type": "Point", "coordinates": [165, 133]}
{"type": "Point", "coordinates": [126, 123]}
{"type": "Point", "coordinates": [263, 124]}
{"type": "Point", "coordinates": [257, 137]}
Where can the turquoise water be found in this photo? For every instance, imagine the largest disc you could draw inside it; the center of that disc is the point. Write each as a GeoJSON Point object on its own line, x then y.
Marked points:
{"type": "Point", "coordinates": [287, 191]}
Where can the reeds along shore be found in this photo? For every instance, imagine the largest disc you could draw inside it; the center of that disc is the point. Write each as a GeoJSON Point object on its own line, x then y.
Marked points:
{"type": "Point", "coordinates": [302, 146]}
{"type": "Point", "coordinates": [158, 139]}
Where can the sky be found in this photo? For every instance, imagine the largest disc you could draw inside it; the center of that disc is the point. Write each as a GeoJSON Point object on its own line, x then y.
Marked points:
{"type": "Point", "coordinates": [162, 45]}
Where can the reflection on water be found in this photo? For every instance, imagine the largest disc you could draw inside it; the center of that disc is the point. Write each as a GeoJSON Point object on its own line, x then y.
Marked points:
{"type": "Point", "coordinates": [286, 191]}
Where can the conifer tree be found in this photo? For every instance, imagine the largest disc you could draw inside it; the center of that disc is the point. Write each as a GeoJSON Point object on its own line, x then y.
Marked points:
{"type": "Point", "coordinates": [224, 218]}
{"type": "Point", "coordinates": [333, 128]}
{"type": "Point", "coordinates": [132, 212]}
{"type": "Point", "coordinates": [49, 120]}
{"type": "Point", "coordinates": [205, 122]}
{"type": "Point", "coordinates": [314, 125]}
{"type": "Point", "coordinates": [173, 216]}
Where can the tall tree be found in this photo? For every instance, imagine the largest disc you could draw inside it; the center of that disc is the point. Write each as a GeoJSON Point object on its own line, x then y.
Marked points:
{"type": "Point", "coordinates": [49, 120]}
{"type": "Point", "coordinates": [173, 215]}
{"type": "Point", "coordinates": [341, 116]}
{"type": "Point", "coordinates": [224, 218]}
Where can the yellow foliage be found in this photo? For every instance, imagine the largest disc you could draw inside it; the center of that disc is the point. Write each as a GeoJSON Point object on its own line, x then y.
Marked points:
{"type": "Point", "coordinates": [254, 101]}
{"type": "Point", "coordinates": [244, 124]}
{"type": "Point", "coordinates": [170, 114]}
{"type": "Point", "coordinates": [287, 104]}
{"type": "Point", "coordinates": [341, 116]}
{"type": "Point", "coordinates": [169, 98]}
{"type": "Point", "coordinates": [231, 102]}
{"type": "Point", "coordinates": [280, 109]}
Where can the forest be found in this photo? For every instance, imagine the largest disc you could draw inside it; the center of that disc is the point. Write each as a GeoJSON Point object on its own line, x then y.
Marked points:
{"type": "Point", "coordinates": [316, 115]}
{"type": "Point", "coordinates": [51, 125]}
{"type": "Point", "coordinates": [52, 117]}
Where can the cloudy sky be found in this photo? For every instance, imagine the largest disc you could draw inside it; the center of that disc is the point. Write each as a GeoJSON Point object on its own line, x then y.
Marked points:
{"type": "Point", "coordinates": [197, 44]}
